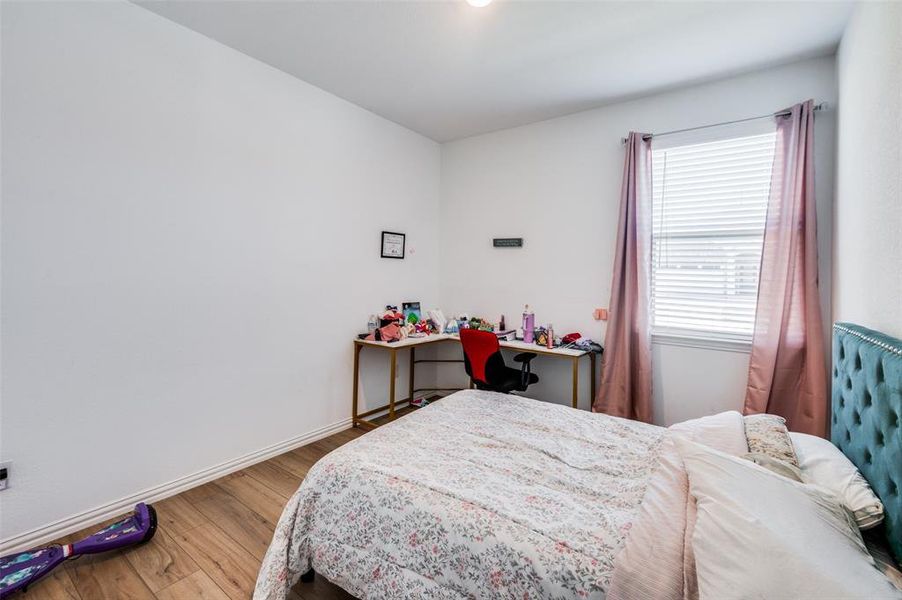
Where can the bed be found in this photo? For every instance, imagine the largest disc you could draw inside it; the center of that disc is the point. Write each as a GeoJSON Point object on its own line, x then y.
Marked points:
{"type": "Point", "coordinates": [486, 495]}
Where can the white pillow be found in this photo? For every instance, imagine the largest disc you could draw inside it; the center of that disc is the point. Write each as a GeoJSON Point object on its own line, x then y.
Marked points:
{"type": "Point", "coordinates": [824, 465]}
{"type": "Point", "coordinates": [760, 535]}
{"type": "Point", "coordinates": [724, 431]}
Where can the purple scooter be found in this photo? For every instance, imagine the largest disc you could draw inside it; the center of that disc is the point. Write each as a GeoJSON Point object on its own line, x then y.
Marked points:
{"type": "Point", "coordinates": [18, 571]}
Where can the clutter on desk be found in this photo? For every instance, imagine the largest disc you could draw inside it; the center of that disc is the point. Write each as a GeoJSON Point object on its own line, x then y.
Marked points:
{"type": "Point", "coordinates": [540, 337]}
{"type": "Point", "coordinates": [411, 312]}
{"type": "Point", "coordinates": [391, 315]}
{"type": "Point", "coordinates": [438, 319]}
{"type": "Point", "coordinates": [392, 325]}
{"type": "Point", "coordinates": [465, 322]}
{"type": "Point", "coordinates": [578, 342]}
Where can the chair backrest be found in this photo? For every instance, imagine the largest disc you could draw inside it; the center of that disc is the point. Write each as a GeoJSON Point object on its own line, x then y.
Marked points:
{"type": "Point", "coordinates": [479, 346]}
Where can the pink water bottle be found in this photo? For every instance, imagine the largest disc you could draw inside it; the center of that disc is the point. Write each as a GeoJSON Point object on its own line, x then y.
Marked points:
{"type": "Point", "coordinates": [529, 325]}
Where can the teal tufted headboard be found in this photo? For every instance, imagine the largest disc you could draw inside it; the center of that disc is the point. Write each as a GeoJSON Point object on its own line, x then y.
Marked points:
{"type": "Point", "coordinates": [867, 414]}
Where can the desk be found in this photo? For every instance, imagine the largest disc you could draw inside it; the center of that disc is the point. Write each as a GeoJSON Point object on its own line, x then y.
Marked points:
{"type": "Point", "coordinates": [359, 419]}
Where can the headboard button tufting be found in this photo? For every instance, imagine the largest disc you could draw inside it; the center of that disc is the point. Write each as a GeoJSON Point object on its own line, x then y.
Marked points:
{"type": "Point", "coordinates": [867, 415]}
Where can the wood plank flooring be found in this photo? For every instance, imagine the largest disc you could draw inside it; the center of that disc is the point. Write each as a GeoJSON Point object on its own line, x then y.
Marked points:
{"type": "Point", "coordinates": [209, 543]}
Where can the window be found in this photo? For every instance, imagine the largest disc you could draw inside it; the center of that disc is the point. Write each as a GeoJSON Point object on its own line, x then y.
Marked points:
{"type": "Point", "coordinates": [709, 204]}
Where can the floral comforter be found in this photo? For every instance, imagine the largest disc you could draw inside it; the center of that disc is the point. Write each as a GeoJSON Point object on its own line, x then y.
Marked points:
{"type": "Point", "coordinates": [480, 495]}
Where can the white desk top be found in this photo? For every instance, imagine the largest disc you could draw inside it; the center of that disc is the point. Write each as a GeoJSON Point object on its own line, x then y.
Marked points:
{"type": "Point", "coordinates": [453, 337]}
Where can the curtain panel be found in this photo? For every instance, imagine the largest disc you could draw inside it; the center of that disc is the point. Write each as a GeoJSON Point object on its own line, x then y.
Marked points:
{"type": "Point", "coordinates": [787, 366]}
{"type": "Point", "coordinates": [626, 381]}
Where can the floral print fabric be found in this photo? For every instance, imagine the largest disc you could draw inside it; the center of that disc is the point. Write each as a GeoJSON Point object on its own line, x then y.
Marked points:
{"type": "Point", "coordinates": [767, 435]}
{"type": "Point", "coordinates": [478, 495]}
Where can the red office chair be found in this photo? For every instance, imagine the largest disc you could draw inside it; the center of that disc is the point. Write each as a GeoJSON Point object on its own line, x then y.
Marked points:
{"type": "Point", "coordinates": [485, 365]}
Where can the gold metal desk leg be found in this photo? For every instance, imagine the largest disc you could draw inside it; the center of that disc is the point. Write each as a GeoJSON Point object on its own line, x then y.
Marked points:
{"type": "Point", "coordinates": [413, 352]}
{"type": "Point", "coordinates": [592, 380]}
{"type": "Point", "coordinates": [357, 349]}
{"type": "Point", "coordinates": [575, 381]}
{"type": "Point", "coordinates": [391, 385]}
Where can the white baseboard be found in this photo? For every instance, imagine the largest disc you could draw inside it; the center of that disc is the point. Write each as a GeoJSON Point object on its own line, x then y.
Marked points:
{"type": "Point", "coordinates": [58, 529]}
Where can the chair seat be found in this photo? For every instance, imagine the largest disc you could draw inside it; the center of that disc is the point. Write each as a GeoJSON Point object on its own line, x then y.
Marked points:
{"type": "Point", "coordinates": [510, 380]}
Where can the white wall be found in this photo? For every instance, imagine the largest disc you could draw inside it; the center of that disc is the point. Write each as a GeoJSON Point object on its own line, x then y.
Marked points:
{"type": "Point", "coordinates": [868, 217]}
{"type": "Point", "coordinates": [557, 184]}
{"type": "Point", "coordinates": [190, 238]}
{"type": "Point", "coordinates": [189, 243]}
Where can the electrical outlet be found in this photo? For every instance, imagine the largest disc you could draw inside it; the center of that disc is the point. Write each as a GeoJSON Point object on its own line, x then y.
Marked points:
{"type": "Point", "coordinates": [5, 469]}
{"type": "Point", "coordinates": [600, 314]}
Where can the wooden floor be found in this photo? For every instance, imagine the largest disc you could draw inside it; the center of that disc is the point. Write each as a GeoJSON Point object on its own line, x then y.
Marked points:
{"type": "Point", "coordinates": [209, 543]}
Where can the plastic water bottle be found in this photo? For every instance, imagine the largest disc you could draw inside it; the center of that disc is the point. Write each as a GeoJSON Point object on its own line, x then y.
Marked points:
{"type": "Point", "coordinates": [529, 325]}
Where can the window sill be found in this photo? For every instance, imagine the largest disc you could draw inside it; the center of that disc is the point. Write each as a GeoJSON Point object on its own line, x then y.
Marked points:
{"type": "Point", "coordinates": [690, 341]}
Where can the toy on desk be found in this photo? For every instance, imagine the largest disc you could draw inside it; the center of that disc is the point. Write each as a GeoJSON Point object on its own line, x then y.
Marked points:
{"type": "Point", "coordinates": [389, 333]}
{"type": "Point", "coordinates": [479, 324]}
{"type": "Point", "coordinates": [391, 315]}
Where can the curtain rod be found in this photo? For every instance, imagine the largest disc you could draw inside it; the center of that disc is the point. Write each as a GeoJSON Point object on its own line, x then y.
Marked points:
{"type": "Point", "coordinates": [782, 113]}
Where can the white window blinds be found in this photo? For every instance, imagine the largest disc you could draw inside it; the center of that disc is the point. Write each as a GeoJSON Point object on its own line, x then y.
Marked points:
{"type": "Point", "coordinates": [709, 203]}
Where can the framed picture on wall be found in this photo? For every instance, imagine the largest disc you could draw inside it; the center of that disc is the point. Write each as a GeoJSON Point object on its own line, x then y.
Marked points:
{"type": "Point", "coordinates": [393, 244]}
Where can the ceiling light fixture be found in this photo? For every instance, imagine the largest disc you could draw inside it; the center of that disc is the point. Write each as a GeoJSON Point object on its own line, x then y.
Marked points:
{"type": "Point", "coordinates": [479, 3]}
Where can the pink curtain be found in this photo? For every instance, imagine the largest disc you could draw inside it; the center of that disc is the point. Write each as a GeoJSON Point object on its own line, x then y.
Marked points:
{"type": "Point", "coordinates": [625, 389]}
{"type": "Point", "coordinates": [787, 368]}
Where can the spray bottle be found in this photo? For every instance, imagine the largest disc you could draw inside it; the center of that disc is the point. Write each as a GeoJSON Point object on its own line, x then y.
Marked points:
{"type": "Point", "coordinates": [529, 325]}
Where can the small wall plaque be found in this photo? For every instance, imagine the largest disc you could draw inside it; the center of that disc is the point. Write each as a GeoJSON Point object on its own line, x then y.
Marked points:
{"type": "Point", "coordinates": [507, 242]}
{"type": "Point", "coordinates": [393, 244]}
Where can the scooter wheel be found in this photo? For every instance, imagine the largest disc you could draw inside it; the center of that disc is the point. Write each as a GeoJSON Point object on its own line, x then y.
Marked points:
{"type": "Point", "coordinates": [152, 528]}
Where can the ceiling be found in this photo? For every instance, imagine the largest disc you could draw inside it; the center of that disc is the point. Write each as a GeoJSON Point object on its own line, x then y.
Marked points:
{"type": "Point", "coordinates": [448, 70]}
